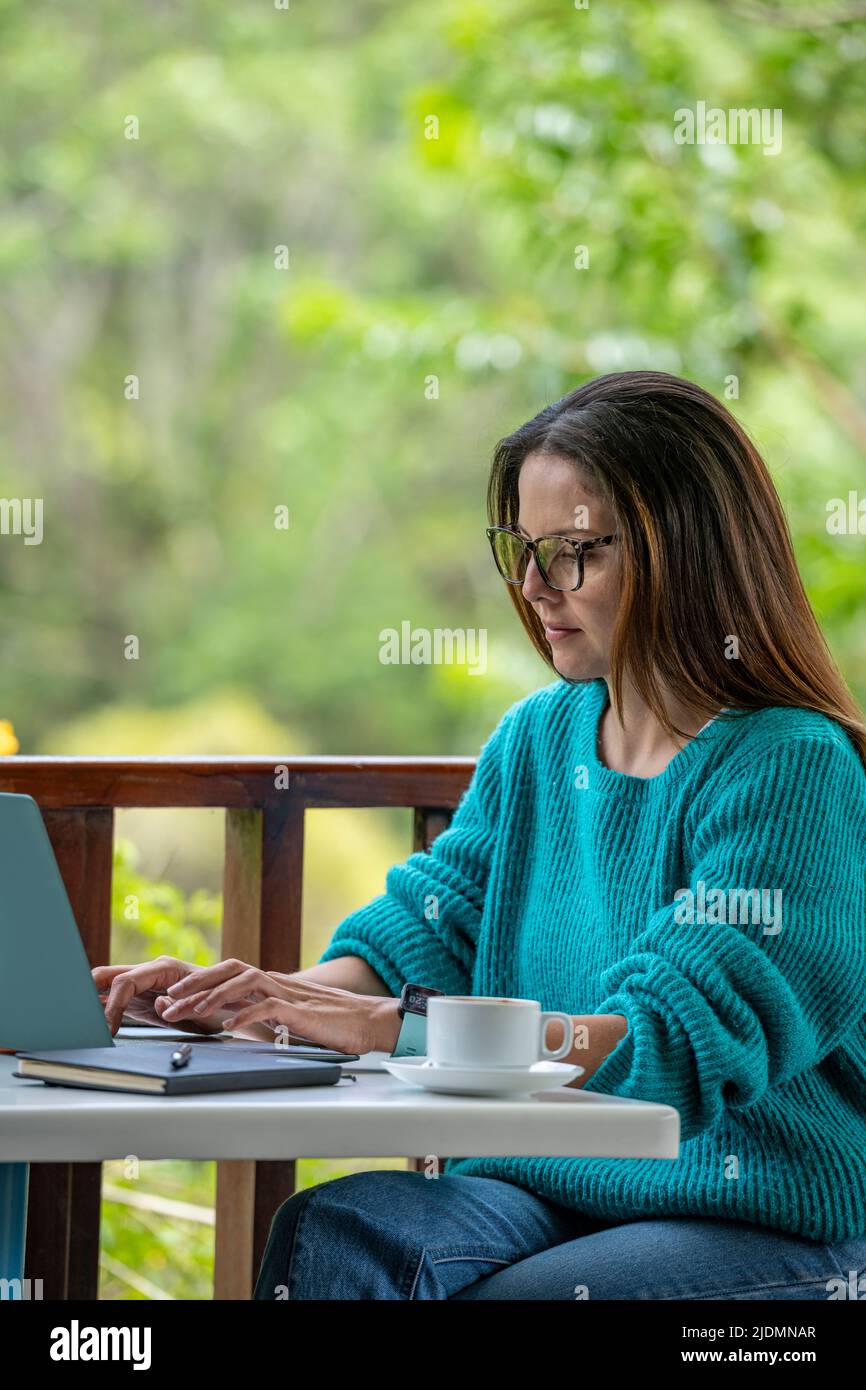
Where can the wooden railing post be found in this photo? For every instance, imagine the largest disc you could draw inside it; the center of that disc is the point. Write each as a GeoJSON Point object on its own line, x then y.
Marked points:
{"type": "Point", "coordinates": [429, 821]}
{"type": "Point", "coordinates": [263, 898]}
{"type": "Point", "coordinates": [63, 1205]}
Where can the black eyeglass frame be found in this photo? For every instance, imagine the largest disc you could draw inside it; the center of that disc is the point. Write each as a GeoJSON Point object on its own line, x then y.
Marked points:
{"type": "Point", "coordinates": [580, 547]}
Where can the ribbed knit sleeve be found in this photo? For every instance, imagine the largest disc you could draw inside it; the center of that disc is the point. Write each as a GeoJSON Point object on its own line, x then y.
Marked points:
{"type": "Point", "coordinates": [424, 928]}
{"type": "Point", "coordinates": [722, 1012]}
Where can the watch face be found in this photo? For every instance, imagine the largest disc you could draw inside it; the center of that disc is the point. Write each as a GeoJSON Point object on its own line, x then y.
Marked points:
{"type": "Point", "coordinates": [416, 999]}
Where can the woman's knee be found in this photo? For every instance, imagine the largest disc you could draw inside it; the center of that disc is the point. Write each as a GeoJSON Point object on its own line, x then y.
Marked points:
{"type": "Point", "coordinates": [352, 1189]}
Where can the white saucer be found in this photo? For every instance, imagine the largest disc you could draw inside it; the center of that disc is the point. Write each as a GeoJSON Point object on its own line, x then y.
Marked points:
{"type": "Point", "coordinates": [481, 1081]}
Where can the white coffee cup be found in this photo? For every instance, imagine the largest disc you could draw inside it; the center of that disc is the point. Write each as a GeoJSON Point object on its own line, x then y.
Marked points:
{"type": "Point", "coordinates": [466, 1030]}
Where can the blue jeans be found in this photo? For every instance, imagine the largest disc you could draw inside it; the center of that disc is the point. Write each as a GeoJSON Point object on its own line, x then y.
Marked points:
{"type": "Point", "coordinates": [401, 1235]}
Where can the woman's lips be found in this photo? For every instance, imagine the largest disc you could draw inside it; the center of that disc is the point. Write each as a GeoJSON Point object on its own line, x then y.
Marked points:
{"type": "Point", "coordinates": [558, 634]}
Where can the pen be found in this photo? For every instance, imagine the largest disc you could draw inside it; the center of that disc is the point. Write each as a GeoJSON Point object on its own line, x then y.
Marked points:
{"type": "Point", "coordinates": [181, 1057]}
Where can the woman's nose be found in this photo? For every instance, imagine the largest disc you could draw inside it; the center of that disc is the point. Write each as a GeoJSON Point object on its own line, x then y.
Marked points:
{"type": "Point", "coordinates": [533, 583]}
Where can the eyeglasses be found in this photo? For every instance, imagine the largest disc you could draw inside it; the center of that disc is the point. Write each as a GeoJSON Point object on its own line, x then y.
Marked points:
{"type": "Point", "coordinates": [559, 558]}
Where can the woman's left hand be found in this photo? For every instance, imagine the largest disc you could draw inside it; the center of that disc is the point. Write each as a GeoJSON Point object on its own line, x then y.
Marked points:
{"type": "Point", "coordinates": [293, 1008]}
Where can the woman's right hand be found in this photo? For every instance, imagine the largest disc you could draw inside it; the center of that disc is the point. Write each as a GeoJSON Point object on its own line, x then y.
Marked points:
{"type": "Point", "coordinates": [134, 989]}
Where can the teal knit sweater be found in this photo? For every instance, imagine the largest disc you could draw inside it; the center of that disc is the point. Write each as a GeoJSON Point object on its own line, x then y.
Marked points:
{"type": "Point", "coordinates": [562, 880]}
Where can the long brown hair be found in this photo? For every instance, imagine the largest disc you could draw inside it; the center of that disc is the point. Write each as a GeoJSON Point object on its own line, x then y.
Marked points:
{"type": "Point", "coordinates": [705, 549]}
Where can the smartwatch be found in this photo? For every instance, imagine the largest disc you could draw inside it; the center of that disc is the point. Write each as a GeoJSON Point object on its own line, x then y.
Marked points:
{"type": "Point", "coordinates": [412, 1009]}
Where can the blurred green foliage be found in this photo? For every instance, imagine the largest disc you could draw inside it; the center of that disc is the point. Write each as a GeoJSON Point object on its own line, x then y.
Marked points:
{"type": "Point", "coordinates": [408, 258]}
{"type": "Point", "coordinates": [155, 919]}
{"type": "Point", "coordinates": [147, 1249]}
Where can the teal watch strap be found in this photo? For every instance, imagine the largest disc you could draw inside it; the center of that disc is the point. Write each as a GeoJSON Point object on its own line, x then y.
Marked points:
{"type": "Point", "coordinates": [412, 1040]}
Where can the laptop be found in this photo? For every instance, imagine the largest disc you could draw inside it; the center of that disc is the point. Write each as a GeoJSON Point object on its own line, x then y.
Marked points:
{"type": "Point", "coordinates": [48, 999]}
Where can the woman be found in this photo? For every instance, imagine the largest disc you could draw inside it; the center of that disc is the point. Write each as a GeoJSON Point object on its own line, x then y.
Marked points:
{"type": "Point", "coordinates": [669, 843]}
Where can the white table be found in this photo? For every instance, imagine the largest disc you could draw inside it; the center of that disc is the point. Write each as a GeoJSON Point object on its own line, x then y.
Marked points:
{"type": "Point", "coordinates": [372, 1116]}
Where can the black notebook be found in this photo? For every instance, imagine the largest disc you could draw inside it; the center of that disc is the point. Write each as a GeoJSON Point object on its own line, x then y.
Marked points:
{"type": "Point", "coordinates": [145, 1068]}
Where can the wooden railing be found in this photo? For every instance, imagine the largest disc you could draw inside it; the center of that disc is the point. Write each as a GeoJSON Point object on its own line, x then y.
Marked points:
{"type": "Point", "coordinates": [265, 802]}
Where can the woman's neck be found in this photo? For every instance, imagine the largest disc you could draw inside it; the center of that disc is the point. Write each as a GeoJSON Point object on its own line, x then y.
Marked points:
{"type": "Point", "coordinates": [637, 744]}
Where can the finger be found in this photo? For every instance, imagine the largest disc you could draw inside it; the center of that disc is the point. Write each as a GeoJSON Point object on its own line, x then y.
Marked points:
{"type": "Point", "coordinates": [206, 976]}
{"type": "Point", "coordinates": [193, 1006]}
{"type": "Point", "coordinates": [251, 1021]}
{"type": "Point", "coordinates": [256, 1032]}
{"type": "Point", "coordinates": [167, 1007]}
{"type": "Point", "coordinates": [242, 989]}
{"type": "Point", "coordinates": [150, 974]}
{"type": "Point", "coordinates": [127, 982]}
{"type": "Point", "coordinates": [121, 992]}
{"type": "Point", "coordinates": [208, 1023]}
{"type": "Point", "coordinates": [269, 1011]}
{"type": "Point", "coordinates": [104, 974]}
{"type": "Point", "coordinates": [189, 1025]}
